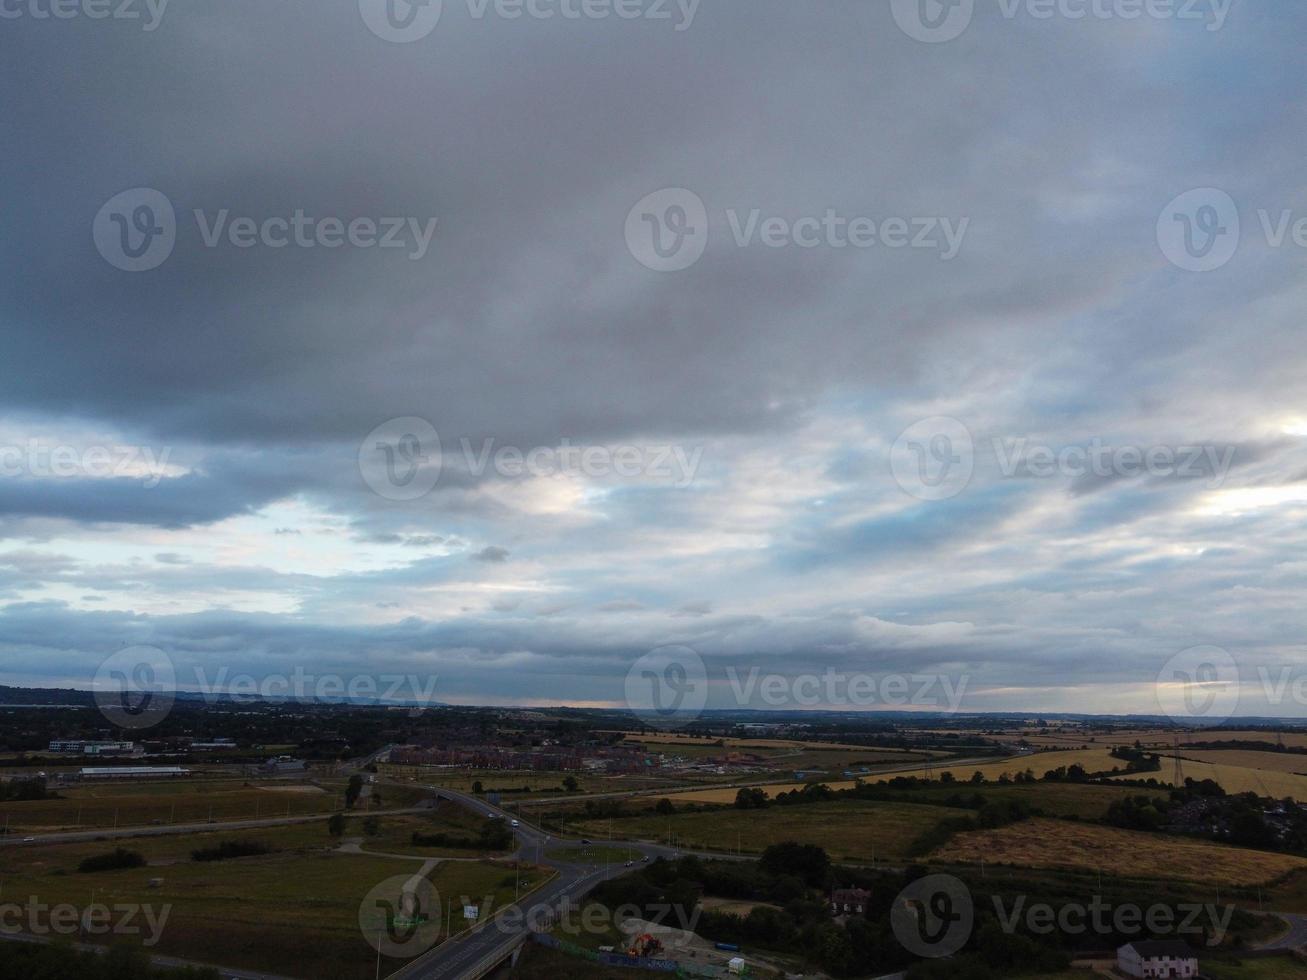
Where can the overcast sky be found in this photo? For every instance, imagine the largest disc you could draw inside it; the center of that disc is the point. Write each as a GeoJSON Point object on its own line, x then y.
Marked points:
{"type": "Point", "coordinates": [816, 442]}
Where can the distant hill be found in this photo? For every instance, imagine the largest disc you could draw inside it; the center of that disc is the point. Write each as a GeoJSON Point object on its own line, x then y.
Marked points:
{"type": "Point", "coordinates": [44, 695]}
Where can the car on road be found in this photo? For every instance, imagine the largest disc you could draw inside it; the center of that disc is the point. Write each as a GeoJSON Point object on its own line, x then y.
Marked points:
{"type": "Point", "coordinates": [586, 840]}
{"type": "Point", "coordinates": [29, 840]}
{"type": "Point", "coordinates": [514, 823]}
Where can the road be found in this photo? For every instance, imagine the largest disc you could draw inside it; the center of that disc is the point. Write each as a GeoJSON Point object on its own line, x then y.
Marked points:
{"type": "Point", "coordinates": [464, 954]}
{"type": "Point", "coordinates": [1295, 938]}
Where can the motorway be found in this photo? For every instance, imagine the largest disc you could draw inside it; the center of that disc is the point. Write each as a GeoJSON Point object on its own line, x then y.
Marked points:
{"type": "Point", "coordinates": [474, 952]}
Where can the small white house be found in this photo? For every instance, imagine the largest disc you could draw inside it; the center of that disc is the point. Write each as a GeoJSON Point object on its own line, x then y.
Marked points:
{"type": "Point", "coordinates": [736, 964]}
{"type": "Point", "coordinates": [1163, 959]}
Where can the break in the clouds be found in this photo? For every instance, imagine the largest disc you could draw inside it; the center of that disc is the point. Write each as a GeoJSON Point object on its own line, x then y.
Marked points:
{"type": "Point", "coordinates": [783, 331]}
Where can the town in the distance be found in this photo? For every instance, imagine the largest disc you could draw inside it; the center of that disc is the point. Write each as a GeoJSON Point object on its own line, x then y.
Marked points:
{"type": "Point", "coordinates": [251, 837]}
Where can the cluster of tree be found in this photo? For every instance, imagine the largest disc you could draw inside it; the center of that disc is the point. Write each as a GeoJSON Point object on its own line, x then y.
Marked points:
{"type": "Point", "coordinates": [750, 798]}
{"type": "Point", "coordinates": [1136, 759]}
{"type": "Point", "coordinates": [996, 813]}
{"type": "Point", "coordinates": [993, 954]}
{"type": "Point", "coordinates": [1138, 812]}
{"type": "Point", "coordinates": [115, 860]}
{"type": "Point", "coordinates": [21, 790]}
{"type": "Point", "coordinates": [795, 879]}
{"type": "Point", "coordinates": [230, 849]}
{"type": "Point", "coordinates": [353, 790]}
{"type": "Point", "coordinates": [494, 835]}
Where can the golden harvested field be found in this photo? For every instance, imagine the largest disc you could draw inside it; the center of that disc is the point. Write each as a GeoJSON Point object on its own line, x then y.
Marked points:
{"type": "Point", "coordinates": [1042, 843]}
{"type": "Point", "coordinates": [1094, 760]}
{"type": "Point", "coordinates": [1273, 761]}
{"type": "Point", "coordinates": [1232, 779]}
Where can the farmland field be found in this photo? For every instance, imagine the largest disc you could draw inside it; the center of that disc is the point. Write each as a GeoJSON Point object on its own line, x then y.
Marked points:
{"type": "Point", "coordinates": [1232, 778]}
{"type": "Point", "coordinates": [1086, 800]}
{"type": "Point", "coordinates": [294, 912]}
{"type": "Point", "coordinates": [852, 830]}
{"type": "Point", "coordinates": [105, 805]}
{"type": "Point", "coordinates": [1290, 762]}
{"type": "Point", "coordinates": [1042, 843]}
{"type": "Point", "coordinates": [1039, 763]}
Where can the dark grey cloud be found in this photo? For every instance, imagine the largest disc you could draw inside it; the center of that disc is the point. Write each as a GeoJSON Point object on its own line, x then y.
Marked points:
{"type": "Point", "coordinates": [528, 323]}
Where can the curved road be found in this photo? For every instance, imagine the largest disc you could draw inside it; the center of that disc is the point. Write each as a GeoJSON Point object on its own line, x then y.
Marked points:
{"type": "Point", "coordinates": [471, 952]}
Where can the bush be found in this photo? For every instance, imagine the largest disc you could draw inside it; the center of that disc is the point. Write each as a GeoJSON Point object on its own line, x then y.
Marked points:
{"type": "Point", "coordinates": [116, 860]}
{"type": "Point", "coordinates": [230, 849]}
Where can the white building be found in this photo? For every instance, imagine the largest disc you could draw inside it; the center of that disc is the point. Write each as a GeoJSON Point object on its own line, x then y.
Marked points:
{"type": "Point", "coordinates": [132, 772]}
{"type": "Point", "coordinates": [1157, 958]}
{"type": "Point", "coordinates": [71, 746]}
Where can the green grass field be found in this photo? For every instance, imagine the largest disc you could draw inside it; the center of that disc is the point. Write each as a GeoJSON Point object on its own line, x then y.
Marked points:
{"type": "Point", "coordinates": [294, 912]}
{"type": "Point", "coordinates": [105, 805]}
{"type": "Point", "coordinates": [1277, 968]}
{"type": "Point", "coordinates": [849, 830]}
{"type": "Point", "coordinates": [1088, 801]}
